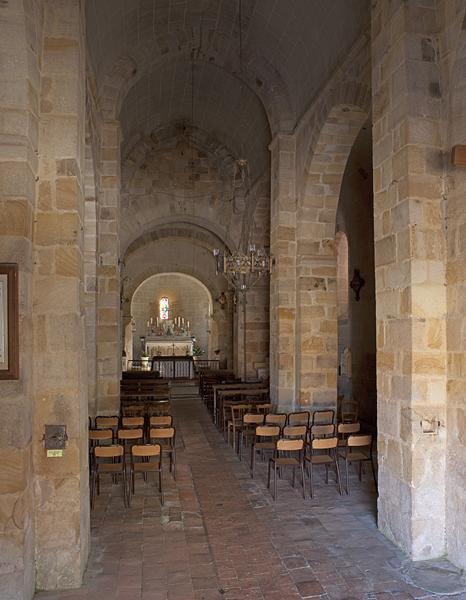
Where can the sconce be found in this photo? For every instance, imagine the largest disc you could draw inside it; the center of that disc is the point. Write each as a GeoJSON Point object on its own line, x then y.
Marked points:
{"type": "Point", "coordinates": [356, 284]}
{"type": "Point", "coordinates": [222, 300]}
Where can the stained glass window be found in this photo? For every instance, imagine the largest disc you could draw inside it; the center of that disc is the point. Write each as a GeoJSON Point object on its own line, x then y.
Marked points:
{"type": "Point", "coordinates": [164, 308]}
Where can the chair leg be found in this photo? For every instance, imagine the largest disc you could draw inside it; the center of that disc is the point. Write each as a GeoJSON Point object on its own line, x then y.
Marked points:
{"type": "Point", "coordinates": [125, 489]}
{"type": "Point", "coordinates": [337, 469]}
{"type": "Point", "coordinates": [347, 478]}
{"type": "Point", "coordinates": [293, 480]}
{"type": "Point", "coordinates": [268, 476]}
{"type": "Point", "coordinates": [253, 460]}
{"type": "Point", "coordinates": [92, 490]}
{"type": "Point", "coordinates": [373, 473]}
{"type": "Point", "coordinates": [360, 470]}
{"type": "Point", "coordinates": [174, 463]}
{"type": "Point", "coordinates": [161, 486]}
{"type": "Point", "coordinates": [311, 481]}
{"type": "Point", "coordinates": [326, 474]}
{"type": "Point", "coordinates": [275, 481]}
{"type": "Point", "coordinates": [302, 480]}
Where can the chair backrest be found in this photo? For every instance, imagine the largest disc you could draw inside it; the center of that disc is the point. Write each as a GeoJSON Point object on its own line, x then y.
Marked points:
{"type": "Point", "coordinates": [324, 443]}
{"type": "Point", "coordinates": [237, 410]}
{"type": "Point", "coordinates": [267, 431]}
{"type": "Point", "coordinates": [130, 434]}
{"type": "Point", "coordinates": [100, 434]}
{"type": "Point", "coordinates": [108, 451]}
{"type": "Point", "coordinates": [323, 417]}
{"type": "Point", "coordinates": [359, 440]}
{"type": "Point", "coordinates": [161, 421]}
{"type": "Point", "coordinates": [146, 450]}
{"type": "Point", "coordinates": [299, 418]}
{"type": "Point", "coordinates": [157, 433]}
{"type": "Point", "coordinates": [347, 428]}
{"type": "Point", "coordinates": [320, 431]}
{"type": "Point", "coordinates": [275, 419]}
{"type": "Point", "coordinates": [264, 408]}
{"type": "Point", "coordinates": [106, 422]}
{"type": "Point", "coordinates": [257, 419]}
{"type": "Point", "coordinates": [132, 421]}
{"type": "Point", "coordinates": [290, 445]}
{"type": "Point", "coordinates": [291, 431]}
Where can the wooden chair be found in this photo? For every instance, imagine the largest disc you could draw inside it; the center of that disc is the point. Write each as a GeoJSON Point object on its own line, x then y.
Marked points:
{"type": "Point", "coordinates": [104, 422]}
{"type": "Point", "coordinates": [235, 422]}
{"type": "Point", "coordinates": [298, 418]}
{"type": "Point", "coordinates": [115, 468]}
{"type": "Point", "coordinates": [248, 429]}
{"type": "Point", "coordinates": [346, 429]}
{"type": "Point", "coordinates": [321, 431]}
{"type": "Point", "coordinates": [264, 408]}
{"type": "Point", "coordinates": [98, 437]}
{"type": "Point", "coordinates": [129, 437]}
{"type": "Point", "coordinates": [295, 432]}
{"type": "Point", "coordinates": [264, 440]}
{"type": "Point", "coordinates": [276, 419]}
{"type": "Point", "coordinates": [165, 437]}
{"type": "Point", "coordinates": [161, 421]}
{"type": "Point", "coordinates": [323, 417]}
{"type": "Point", "coordinates": [146, 452]}
{"type": "Point", "coordinates": [358, 449]}
{"type": "Point", "coordinates": [132, 422]}
{"type": "Point", "coordinates": [322, 452]}
{"type": "Point", "coordinates": [349, 411]}
{"type": "Point", "coordinates": [288, 453]}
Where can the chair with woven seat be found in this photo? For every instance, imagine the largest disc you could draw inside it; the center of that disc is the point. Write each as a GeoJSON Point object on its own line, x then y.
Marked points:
{"type": "Point", "coordinates": [166, 437]}
{"type": "Point", "coordinates": [322, 451]}
{"type": "Point", "coordinates": [150, 456]}
{"type": "Point", "coordinates": [358, 449]}
{"type": "Point", "coordinates": [115, 468]}
{"type": "Point", "coordinates": [264, 440]}
{"type": "Point", "coordinates": [248, 429]}
{"type": "Point", "coordinates": [288, 453]}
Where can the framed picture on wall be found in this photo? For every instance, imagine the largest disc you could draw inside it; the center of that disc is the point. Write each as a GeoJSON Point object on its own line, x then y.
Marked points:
{"type": "Point", "coordinates": [9, 325]}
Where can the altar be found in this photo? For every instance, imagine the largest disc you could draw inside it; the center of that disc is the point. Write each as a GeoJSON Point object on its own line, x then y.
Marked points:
{"type": "Point", "coordinates": [165, 345]}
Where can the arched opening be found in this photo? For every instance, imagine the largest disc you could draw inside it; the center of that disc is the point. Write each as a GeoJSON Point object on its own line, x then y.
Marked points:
{"type": "Point", "coordinates": [167, 309]}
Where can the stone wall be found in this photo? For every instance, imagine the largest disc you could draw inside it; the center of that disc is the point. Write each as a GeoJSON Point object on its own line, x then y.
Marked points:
{"type": "Point", "coordinates": [60, 366]}
{"type": "Point", "coordinates": [20, 49]}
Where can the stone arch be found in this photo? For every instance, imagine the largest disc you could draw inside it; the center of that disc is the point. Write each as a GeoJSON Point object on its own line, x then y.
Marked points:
{"type": "Point", "coordinates": [316, 333]}
{"type": "Point", "coordinates": [260, 76]}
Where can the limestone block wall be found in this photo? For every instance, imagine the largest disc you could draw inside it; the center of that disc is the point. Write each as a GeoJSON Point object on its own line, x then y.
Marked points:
{"type": "Point", "coordinates": [188, 298]}
{"type": "Point", "coordinates": [410, 261]}
{"type": "Point", "coordinates": [20, 49]}
{"type": "Point", "coordinates": [60, 374]}
{"type": "Point", "coordinates": [453, 44]}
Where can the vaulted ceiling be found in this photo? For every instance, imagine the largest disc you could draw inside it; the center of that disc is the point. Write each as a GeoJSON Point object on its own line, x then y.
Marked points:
{"type": "Point", "coordinates": [290, 49]}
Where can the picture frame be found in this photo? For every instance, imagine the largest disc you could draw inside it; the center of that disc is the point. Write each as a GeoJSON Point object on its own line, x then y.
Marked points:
{"type": "Point", "coordinates": [9, 321]}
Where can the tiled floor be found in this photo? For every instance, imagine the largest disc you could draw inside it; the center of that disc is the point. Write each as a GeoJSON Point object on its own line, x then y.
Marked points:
{"type": "Point", "coordinates": [220, 535]}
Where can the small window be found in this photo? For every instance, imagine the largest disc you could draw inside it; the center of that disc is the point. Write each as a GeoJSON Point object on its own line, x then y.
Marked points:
{"type": "Point", "coordinates": [164, 306]}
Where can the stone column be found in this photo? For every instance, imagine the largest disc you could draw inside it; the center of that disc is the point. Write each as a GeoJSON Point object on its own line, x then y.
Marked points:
{"type": "Point", "coordinates": [20, 39]}
{"type": "Point", "coordinates": [410, 275]}
{"type": "Point", "coordinates": [283, 277]}
{"type": "Point", "coordinates": [108, 273]}
{"type": "Point", "coordinates": [60, 382]}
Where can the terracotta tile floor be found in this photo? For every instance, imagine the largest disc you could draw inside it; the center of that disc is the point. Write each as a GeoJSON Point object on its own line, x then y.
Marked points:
{"type": "Point", "coordinates": [220, 535]}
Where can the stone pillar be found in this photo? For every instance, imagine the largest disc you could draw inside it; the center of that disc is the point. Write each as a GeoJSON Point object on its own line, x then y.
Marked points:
{"type": "Point", "coordinates": [108, 273]}
{"type": "Point", "coordinates": [20, 39]}
{"type": "Point", "coordinates": [283, 277]}
{"type": "Point", "coordinates": [60, 382]}
{"type": "Point", "coordinates": [410, 275]}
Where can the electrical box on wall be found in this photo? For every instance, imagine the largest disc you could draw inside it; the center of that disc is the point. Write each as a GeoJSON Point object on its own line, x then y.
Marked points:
{"type": "Point", "coordinates": [55, 438]}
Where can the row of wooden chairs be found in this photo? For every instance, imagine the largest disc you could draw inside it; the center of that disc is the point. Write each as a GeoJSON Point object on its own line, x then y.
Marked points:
{"type": "Point", "coordinates": [129, 422]}
{"type": "Point", "coordinates": [290, 448]}
{"type": "Point", "coordinates": [110, 460]}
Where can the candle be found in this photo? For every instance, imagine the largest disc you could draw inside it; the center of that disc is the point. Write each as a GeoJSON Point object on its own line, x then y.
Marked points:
{"type": "Point", "coordinates": [148, 324]}
{"type": "Point", "coordinates": [182, 320]}
{"type": "Point", "coordinates": [187, 325]}
{"type": "Point", "coordinates": [151, 320]}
